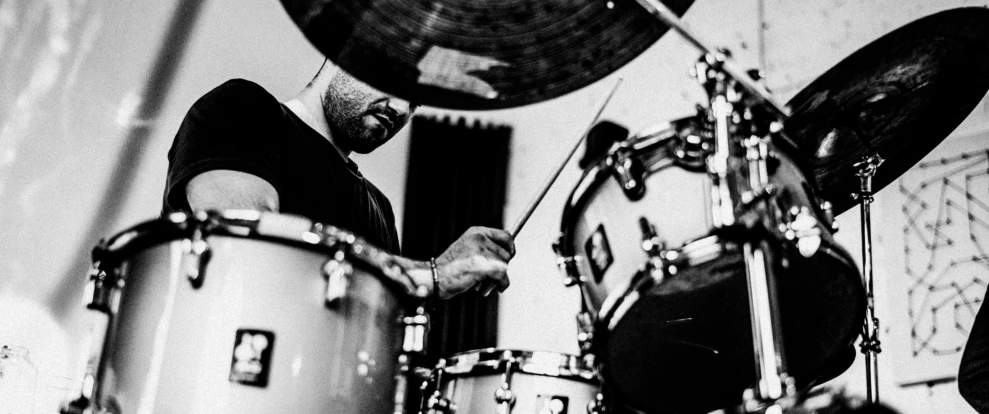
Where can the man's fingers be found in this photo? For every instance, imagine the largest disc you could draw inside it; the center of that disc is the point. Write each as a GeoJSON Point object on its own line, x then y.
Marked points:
{"type": "Point", "coordinates": [501, 238]}
{"type": "Point", "coordinates": [499, 252]}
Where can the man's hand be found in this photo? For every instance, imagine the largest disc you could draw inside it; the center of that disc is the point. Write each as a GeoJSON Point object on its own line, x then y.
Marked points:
{"type": "Point", "coordinates": [478, 259]}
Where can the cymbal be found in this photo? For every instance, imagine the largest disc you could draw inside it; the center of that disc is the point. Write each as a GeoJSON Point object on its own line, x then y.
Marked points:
{"type": "Point", "coordinates": [479, 54]}
{"type": "Point", "coordinates": [898, 97]}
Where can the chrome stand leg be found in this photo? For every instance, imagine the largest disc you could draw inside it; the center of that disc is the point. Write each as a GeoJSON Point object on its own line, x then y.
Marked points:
{"type": "Point", "coordinates": [414, 343]}
{"type": "Point", "coordinates": [772, 382]}
{"type": "Point", "coordinates": [870, 330]}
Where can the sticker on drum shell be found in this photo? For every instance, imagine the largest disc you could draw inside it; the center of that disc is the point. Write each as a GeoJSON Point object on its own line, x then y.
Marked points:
{"type": "Point", "coordinates": [598, 252]}
{"type": "Point", "coordinates": [552, 404]}
{"type": "Point", "coordinates": [251, 362]}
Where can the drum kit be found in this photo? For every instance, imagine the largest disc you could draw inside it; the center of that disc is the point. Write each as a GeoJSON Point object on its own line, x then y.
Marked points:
{"type": "Point", "coordinates": [702, 248]}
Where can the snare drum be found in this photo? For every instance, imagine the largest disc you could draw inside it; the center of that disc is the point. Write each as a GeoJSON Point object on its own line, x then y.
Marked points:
{"type": "Point", "coordinates": [509, 381]}
{"type": "Point", "coordinates": [242, 311]}
{"type": "Point", "coordinates": [666, 292]}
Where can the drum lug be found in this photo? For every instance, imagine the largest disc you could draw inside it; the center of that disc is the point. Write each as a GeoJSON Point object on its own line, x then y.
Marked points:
{"type": "Point", "coordinates": [803, 227]}
{"type": "Point", "coordinates": [655, 249]}
{"type": "Point", "coordinates": [504, 396]}
{"type": "Point", "coordinates": [195, 255]}
{"type": "Point", "coordinates": [629, 173]}
{"type": "Point", "coordinates": [568, 265]}
{"type": "Point", "coordinates": [436, 403]}
{"type": "Point", "coordinates": [585, 332]}
{"type": "Point", "coordinates": [597, 406]}
{"type": "Point", "coordinates": [416, 328]}
{"type": "Point", "coordinates": [337, 272]}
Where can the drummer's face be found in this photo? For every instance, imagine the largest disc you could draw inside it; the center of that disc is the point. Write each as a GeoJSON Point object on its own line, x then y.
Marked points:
{"type": "Point", "coordinates": [362, 118]}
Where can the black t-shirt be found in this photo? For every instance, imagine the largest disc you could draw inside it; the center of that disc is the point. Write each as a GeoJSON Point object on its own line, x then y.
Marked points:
{"type": "Point", "coordinates": [240, 126]}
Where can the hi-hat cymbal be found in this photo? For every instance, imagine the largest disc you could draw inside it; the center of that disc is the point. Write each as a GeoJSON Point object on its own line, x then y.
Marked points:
{"type": "Point", "coordinates": [899, 96]}
{"type": "Point", "coordinates": [479, 54]}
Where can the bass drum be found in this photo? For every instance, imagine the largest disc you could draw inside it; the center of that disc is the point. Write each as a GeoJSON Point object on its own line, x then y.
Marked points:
{"type": "Point", "coordinates": [242, 311]}
{"type": "Point", "coordinates": [667, 292]}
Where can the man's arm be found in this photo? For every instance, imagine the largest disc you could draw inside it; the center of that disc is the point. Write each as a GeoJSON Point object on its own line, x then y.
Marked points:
{"type": "Point", "coordinates": [478, 259]}
{"type": "Point", "coordinates": [229, 189]}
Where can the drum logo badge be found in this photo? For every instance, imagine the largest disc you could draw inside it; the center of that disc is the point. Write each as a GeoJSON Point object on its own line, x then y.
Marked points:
{"type": "Point", "coordinates": [598, 253]}
{"type": "Point", "coordinates": [251, 362]}
{"type": "Point", "coordinates": [552, 404]}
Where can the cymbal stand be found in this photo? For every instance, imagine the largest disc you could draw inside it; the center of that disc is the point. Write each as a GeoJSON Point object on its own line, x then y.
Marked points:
{"type": "Point", "coordinates": [870, 330]}
{"type": "Point", "coordinates": [733, 116]}
{"type": "Point", "coordinates": [757, 90]}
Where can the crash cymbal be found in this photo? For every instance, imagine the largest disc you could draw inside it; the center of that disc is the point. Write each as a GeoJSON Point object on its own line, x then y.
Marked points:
{"type": "Point", "coordinates": [479, 54]}
{"type": "Point", "coordinates": [899, 96]}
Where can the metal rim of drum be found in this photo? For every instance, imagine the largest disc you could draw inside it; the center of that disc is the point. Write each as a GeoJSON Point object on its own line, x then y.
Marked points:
{"type": "Point", "coordinates": [545, 363]}
{"type": "Point", "coordinates": [250, 224]}
{"type": "Point", "coordinates": [694, 253]}
{"type": "Point", "coordinates": [652, 137]}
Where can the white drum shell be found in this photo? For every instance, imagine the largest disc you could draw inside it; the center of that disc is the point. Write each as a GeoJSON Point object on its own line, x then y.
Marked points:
{"type": "Point", "coordinates": [170, 346]}
{"type": "Point", "coordinates": [677, 202]}
{"type": "Point", "coordinates": [473, 390]}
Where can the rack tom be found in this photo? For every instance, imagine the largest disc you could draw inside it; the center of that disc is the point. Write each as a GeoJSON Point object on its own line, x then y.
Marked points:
{"type": "Point", "coordinates": [664, 287]}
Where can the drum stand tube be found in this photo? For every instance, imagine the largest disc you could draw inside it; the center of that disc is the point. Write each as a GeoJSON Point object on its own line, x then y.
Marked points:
{"type": "Point", "coordinates": [870, 330]}
{"type": "Point", "coordinates": [772, 382]}
{"type": "Point", "coordinates": [773, 386]}
{"type": "Point", "coordinates": [413, 343]}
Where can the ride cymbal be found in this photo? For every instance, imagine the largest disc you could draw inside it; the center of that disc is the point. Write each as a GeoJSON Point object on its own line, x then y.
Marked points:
{"type": "Point", "coordinates": [479, 54]}
{"type": "Point", "coordinates": [899, 96]}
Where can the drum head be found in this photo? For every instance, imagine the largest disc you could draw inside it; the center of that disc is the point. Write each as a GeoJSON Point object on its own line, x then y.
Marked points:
{"type": "Point", "coordinates": [690, 350]}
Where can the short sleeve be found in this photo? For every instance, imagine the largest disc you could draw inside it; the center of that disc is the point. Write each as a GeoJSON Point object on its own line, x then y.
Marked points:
{"type": "Point", "coordinates": [232, 128]}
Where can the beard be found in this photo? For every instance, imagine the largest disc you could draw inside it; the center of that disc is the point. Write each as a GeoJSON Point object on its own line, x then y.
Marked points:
{"type": "Point", "coordinates": [346, 111]}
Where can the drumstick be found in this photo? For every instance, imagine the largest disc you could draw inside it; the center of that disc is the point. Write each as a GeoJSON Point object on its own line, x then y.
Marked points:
{"type": "Point", "coordinates": [552, 178]}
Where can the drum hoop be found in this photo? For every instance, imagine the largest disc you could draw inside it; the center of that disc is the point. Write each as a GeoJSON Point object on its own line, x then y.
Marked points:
{"type": "Point", "coordinates": [593, 176]}
{"type": "Point", "coordinates": [544, 363]}
{"type": "Point", "coordinates": [245, 224]}
{"type": "Point", "coordinates": [694, 253]}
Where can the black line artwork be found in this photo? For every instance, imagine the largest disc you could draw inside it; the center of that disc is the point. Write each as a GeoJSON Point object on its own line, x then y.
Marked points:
{"type": "Point", "coordinates": [945, 244]}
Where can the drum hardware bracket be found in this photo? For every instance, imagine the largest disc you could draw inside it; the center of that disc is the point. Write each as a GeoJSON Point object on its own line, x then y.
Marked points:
{"type": "Point", "coordinates": [803, 228]}
{"type": "Point", "coordinates": [436, 403]}
{"type": "Point", "coordinates": [98, 290]}
{"type": "Point", "coordinates": [568, 265]}
{"type": "Point", "coordinates": [196, 251]}
{"type": "Point", "coordinates": [597, 406]}
{"type": "Point", "coordinates": [402, 374]}
{"type": "Point", "coordinates": [416, 328]}
{"type": "Point", "coordinates": [504, 396]}
{"type": "Point", "coordinates": [866, 169]}
{"type": "Point", "coordinates": [756, 195]}
{"type": "Point", "coordinates": [629, 173]}
{"type": "Point", "coordinates": [585, 334]}
{"type": "Point", "coordinates": [337, 272]}
{"type": "Point", "coordinates": [659, 263]}
{"type": "Point", "coordinates": [414, 343]}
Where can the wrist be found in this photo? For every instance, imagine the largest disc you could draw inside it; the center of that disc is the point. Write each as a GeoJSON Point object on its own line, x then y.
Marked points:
{"type": "Point", "coordinates": [421, 274]}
